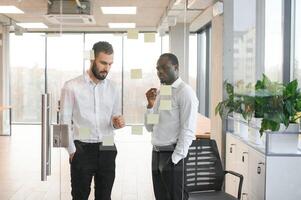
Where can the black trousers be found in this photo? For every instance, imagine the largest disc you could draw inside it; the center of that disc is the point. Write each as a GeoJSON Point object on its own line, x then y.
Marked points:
{"type": "Point", "coordinates": [88, 162]}
{"type": "Point", "coordinates": [167, 177]}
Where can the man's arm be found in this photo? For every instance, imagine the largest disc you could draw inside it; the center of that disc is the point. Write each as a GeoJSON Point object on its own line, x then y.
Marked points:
{"type": "Point", "coordinates": [117, 120]}
{"type": "Point", "coordinates": [66, 110]}
{"type": "Point", "coordinates": [188, 116]}
{"type": "Point", "coordinates": [151, 95]}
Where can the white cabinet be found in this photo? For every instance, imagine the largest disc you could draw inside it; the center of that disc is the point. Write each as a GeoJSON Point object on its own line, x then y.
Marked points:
{"type": "Point", "coordinates": [256, 176]}
{"type": "Point", "coordinates": [266, 176]}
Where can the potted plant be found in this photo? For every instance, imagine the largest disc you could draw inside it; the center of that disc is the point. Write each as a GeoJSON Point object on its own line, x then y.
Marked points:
{"type": "Point", "coordinates": [232, 105]}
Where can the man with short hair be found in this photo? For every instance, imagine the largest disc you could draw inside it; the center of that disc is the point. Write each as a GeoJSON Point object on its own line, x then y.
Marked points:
{"type": "Point", "coordinates": [91, 106]}
{"type": "Point", "coordinates": [173, 134]}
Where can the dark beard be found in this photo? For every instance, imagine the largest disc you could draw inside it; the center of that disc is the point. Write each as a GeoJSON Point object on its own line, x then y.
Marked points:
{"type": "Point", "coordinates": [97, 74]}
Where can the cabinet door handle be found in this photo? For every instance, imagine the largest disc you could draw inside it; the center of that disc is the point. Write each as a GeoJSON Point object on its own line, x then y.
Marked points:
{"type": "Point", "coordinates": [243, 156]}
{"type": "Point", "coordinates": [231, 148]}
{"type": "Point", "coordinates": [259, 167]}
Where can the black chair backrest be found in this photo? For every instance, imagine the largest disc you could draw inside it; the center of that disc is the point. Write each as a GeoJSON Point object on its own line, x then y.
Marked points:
{"type": "Point", "coordinates": [203, 167]}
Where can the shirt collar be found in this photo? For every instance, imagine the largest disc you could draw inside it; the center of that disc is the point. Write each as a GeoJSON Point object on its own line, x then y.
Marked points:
{"type": "Point", "coordinates": [177, 83]}
{"type": "Point", "coordinates": [90, 81]}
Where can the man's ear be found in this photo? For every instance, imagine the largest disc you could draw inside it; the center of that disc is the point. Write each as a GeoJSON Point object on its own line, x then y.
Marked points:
{"type": "Point", "coordinates": [176, 67]}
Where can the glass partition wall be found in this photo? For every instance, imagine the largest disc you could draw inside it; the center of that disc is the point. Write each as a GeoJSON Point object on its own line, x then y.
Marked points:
{"type": "Point", "coordinates": [57, 58]}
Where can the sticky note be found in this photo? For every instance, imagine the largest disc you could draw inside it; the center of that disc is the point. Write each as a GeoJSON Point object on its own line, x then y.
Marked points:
{"type": "Point", "coordinates": [108, 140]}
{"type": "Point", "coordinates": [84, 133]}
{"type": "Point", "coordinates": [132, 34]}
{"type": "Point", "coordinates": [149, 37]}
{"type": "Point", "coordinates": [137, 130]}
{"type": "Point", "coordinates": [89, 55]}
{"type": "Point", "coordinates": [165, 90]}
{"type": "Point", "coordinates": [165, 105]}
{"type": "Point", "coordinates": [152, 119]}
{"type": "Point", "coordinates": [136, 73]}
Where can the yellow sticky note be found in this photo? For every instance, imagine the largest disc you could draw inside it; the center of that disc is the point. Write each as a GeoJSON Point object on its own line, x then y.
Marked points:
{"type": "Point", "coordinates": [84, 133]}
{"type": "Point", "coordinates": [89, 55]}
{"type": "Point", "coordinates": [165, 105]}
{"type": "Point", "coordinates": [132, 34]}
{"type": "Point", "coordinates": [149, 37]}
{"type": "Point", "coordinates": [108, 140]}
{"type": "Point", "coordinates": [137, 130]}
{"type": "Point", "coordinates": [136, 74]}
{"type": "Point", "coordinates": [165, 90]}
{"type": "Point", "coordinates": [152, 119]}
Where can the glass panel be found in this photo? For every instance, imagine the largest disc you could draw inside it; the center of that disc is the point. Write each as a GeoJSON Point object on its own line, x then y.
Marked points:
{"type": "Point", "coordinates": [273, 39]}
{"type": "Point", "coordinates": [135, 89]}
{"type": "Point", "coordinates": [244, 68]}
{"type": "Point", "coordinates": [27, 76]}
{"type": "Point", "coordinates": [64, 62]}
{"type": "Point", "coordinates": [193, 60]}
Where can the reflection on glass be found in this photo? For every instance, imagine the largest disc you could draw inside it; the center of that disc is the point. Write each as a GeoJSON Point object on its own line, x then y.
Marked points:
{"type": "Point", "coordinates": [27, 60]}
{"type": "Point", "coordinates": [64, 62]}
{"type": "Point", "coordinates": [273, 39]}
{"type": "Point", "coordinates": [139, 55]}
{"type": "Point", "coordinates": [297, 56]}
{"type": "Point", "coordinates": [244, 43]}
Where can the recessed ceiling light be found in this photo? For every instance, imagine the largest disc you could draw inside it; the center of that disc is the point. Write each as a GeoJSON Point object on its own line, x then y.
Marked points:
{"type": "Point", "coordinates": [10, 10]}
{"type": "Point", "coordinates": [122, 25]}
{"type": "Point", "coordinates": [32, 25]}
{"type": "Point", "coordinates": [125, 10]}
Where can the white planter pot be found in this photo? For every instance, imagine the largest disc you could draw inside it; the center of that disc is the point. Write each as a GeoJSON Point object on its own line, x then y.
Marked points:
{"type": "Point", "coordinates": [285, 141]}
{"type": "Point", "coordinates": [244, 130]}
{"type": "Point", "coordinates": [236, 122]}
{"type": "Point", "coordinates": [254, 134]}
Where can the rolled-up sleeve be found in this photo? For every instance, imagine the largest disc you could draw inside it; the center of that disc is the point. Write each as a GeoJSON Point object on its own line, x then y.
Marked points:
{"type": "Point", "coordinates": [188, 116]}
{"type": "Point", "coordinates": [66, 110]}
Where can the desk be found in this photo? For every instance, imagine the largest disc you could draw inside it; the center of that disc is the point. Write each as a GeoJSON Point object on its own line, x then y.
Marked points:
{"type": "Point", "coordinates": [203, 127]}
{"type": "Point", "coordinates": [3, 108]}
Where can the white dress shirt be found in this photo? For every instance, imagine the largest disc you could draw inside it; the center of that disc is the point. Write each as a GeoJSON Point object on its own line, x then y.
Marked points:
{"type": "Point", "coordinates": [178, 125]}
{"type": "Point", "coordinates": [90, 107]}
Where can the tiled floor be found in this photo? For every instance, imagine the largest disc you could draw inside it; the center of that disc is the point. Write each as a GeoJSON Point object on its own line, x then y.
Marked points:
{"type": "Point", "coordinates": [20, 168]}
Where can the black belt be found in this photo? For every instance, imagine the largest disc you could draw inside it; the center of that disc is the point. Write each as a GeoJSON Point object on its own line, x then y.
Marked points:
{"type": "Point", "coordinates": [164, 148]}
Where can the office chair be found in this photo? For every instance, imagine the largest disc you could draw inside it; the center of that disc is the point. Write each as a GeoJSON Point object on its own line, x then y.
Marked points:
{"type": "Point", "coordinates": [204, 174]}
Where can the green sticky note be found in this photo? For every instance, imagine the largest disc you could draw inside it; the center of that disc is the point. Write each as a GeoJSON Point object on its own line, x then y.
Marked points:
{"type": "Point", "coordinates": [132, 34]}
{"type": "Point", "coordinates": [84, 133]}
{"type": "Point", "coordinates": [137, 130]}
{"type": "Point", "coordinates": [136, 74]}
{"type": "Point", "coordinates": [165, 90]}
{"type": "Point", "coordinates": [165, 105]}
{"type": "Point", "coordinates": [108, 140]}
{"type": "Point", "coordinates": [149, 37]}
{"type": "Point", "coordinates": [152, 119]}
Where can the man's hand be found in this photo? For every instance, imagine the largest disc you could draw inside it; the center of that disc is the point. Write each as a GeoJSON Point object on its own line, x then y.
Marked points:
{"type": "Point", "coordinates": [151, 95]}
{"type": "Point", "coordinates": [118, 121]}
{"type": "Point", "coordinates": [71, 157]}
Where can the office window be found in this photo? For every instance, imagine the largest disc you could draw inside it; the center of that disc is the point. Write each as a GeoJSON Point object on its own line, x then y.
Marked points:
{"type": "Point", "coordinates": [165, 44]}
{"type": "Point", "coordinates": [273, 39]}
{"type": "Point", "coordinates": [203, 70]}
{"type": "Point", "coordinates": [27, 60]}
{"type": "Point", "coordinates": [139, 55]}
{"type": "Point", "coordinates": [297, 42]}
{"type": "Point", "coordinates": [244, 69]}
{"type": "Point", "coordinates": [193, 60]}
{"type": "Point", "coordinates": [64, 62]}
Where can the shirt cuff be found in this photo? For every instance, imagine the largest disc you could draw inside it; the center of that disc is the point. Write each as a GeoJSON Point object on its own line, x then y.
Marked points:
{"type": "Point", "coordinates": [175, 157]}
{"type": "Point", "coordinates": [71, 148]}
